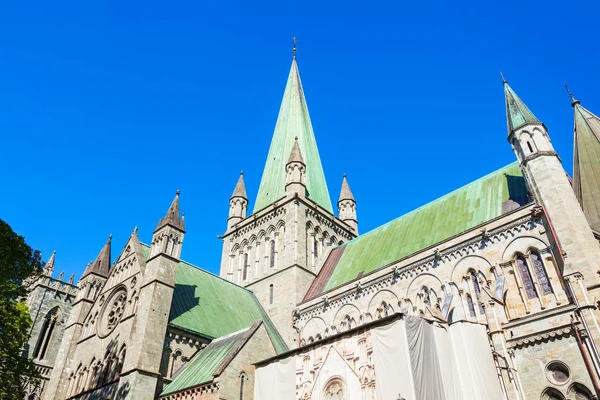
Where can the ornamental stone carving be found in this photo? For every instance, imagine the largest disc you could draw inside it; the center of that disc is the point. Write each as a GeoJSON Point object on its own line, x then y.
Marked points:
{"type": "Point", "coordinates": [112, 312]}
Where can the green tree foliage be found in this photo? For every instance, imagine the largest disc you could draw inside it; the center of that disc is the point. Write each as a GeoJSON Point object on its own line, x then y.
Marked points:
{"type": "Point", "coordinates": [19, 268]}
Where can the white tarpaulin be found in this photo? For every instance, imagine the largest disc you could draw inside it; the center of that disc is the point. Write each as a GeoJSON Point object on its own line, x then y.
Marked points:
{"type": "Point", "coordinates": [276, 381]}
{"type": "Point", "coordinates": [474, 362]}
{"type": "Point", "coordinates": [419, 360]}
{"type": "Point", "coordinates": [392, 362]}
{"type": "Point", "coordinates": [412, 358]}
{"type": "Point", "coordinates": [424, 359]}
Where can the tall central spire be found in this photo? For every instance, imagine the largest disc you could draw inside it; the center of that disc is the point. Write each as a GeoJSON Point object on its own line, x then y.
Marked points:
{"type": "Point", "coordinates": [293, 121]}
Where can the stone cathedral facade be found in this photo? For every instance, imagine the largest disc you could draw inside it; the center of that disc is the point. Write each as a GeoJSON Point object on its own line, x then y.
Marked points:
{"type": "Point", "coordinates": [513, 258]}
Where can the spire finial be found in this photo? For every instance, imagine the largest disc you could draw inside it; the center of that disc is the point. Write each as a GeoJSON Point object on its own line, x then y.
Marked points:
{"type": "Point", "coordinates": [110, 237]}
{"type": "Point", "coordinates": [344, 175]}
{"type": "Point", "coordinates": [242, 172]}
{"type": "Point", "coordinates": [178, 192]}
{"type": "Point", "coordinates": [135, 230]}
{"type": "Point", "coordinates": [294, 49]}
{"type": "Point", "coordinates": [504, 82]}
{"type": "Point", "coordinates": [574, 101]}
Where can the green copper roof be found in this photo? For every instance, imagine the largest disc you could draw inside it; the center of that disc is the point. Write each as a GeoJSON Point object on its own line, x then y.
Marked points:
{"type": "Point", "coordinates": [214, 307]}
{"type": "Point", "coordinates": [293, 121]}
{"type": "Point", "coordinates": [456, 212]}
{"type": "Point", "coordinates": [586, 164]}
{"type": "Point", "coordinates": [202, 366]}
{"type": "Point", "coordinates": [517, 113]}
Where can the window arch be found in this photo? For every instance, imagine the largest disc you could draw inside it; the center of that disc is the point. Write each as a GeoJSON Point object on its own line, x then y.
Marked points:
{"type": "Point", "coordinates": [243, 379]}
{"type": "Point", "coordinates": [245, 270]}
{"type": "Point", "coordinates": [540, 273]}
{"type": "Point", "coordinates": [552, 394]}
{"type": "Point", "coordinates": [334, 390]}
{"type": "Point", "coordinates": [477, 289]}
{"type": "Point", "coordinates": [471, 306]}
{"type": "Point", "coordinates": [526, 277]}
{"type": "Point", "coordinates": [579, 392]}
{"type": "Point", "coordinates": [48, 327]}
{"type": "Point", "coordinates": [272, 255]}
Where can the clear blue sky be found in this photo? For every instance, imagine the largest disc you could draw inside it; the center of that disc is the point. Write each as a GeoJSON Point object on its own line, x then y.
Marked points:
{"type": "Point", "coordinates": [107, 108]}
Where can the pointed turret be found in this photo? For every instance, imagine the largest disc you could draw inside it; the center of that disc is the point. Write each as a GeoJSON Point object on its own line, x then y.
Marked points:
{"type": "Point", "coordinates": [238, 203]}
{"type": "Point", "coordinates": [101, 265]}
{"type": "Point", "coordinates": [168, 235]}
{"type": "Point", "coordinates": [517, 113]}
{"type": "Point", "coordinates": [295, 170]}
{"type": "Point", "coordinates": [293, 121]}
{"type": "Point", "coordinates": [347, 206]}
{"type": "Point", "coordinates": [526, 133]}
{"type": "Point", "coordinates": [586, 163]}
{"type": "Point", "coordinates": [49, 267]}
{"type": "Point", "coordinates": [172, 217]}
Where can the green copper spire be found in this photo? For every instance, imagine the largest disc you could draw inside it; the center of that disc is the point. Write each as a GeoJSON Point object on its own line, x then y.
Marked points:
{"type": "Point", "coordinates": [586, 164]}
{"type": "Point", "coordinates": [293, 121]}
{"type": "Point", "coordinates": [517, 113]}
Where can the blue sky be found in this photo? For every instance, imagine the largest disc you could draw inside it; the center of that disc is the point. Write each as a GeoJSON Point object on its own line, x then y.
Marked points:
{"type": "Point", "coordinates": [107, 108]}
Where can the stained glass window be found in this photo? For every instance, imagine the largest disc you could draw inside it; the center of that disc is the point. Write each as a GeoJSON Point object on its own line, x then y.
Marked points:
{"type": "Point", "coordinates": [245, 270]}
{"type": "Point", "coordinates": [540, 273]}
{"type": "Point", "coordinates": [471, 306]}
{"type": "Point", "coordinates": [526, 277]}
{"type": "Point", "coordinates": [316, 248]}
{"type": "Point", "coordinates": [272, 260]}
{"type": "Point", "coordinates": [477, 291]}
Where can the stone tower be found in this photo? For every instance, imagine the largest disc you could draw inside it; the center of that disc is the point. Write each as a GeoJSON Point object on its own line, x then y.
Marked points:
{"type": "Point", "coordinates": [572, 238]}
{"type": "Point", "coordinates": [141, 371]}
{"type": "Point", "coordinates": [278, 249]}
{"type": "Point", "coordinates": [89, 286]}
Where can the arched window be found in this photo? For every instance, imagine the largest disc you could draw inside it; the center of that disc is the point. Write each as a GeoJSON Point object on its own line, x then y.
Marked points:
{"type": "Point", "coordinates": [471, 306]}
{"type": "Point", "coordinates": [316, 247]}
{"type": "Point", "coordinates": [271, 293]}
{"type": "Point", "coordinates": [242, 381]}
{"type": "Point", "coordinates": [45, 336]}
{"type": "Point", "coordinates": [529, 146]}
{"type": "Point", "coordinates": [477, 289]}
{"type": "Point", "coordinates": [540, 273]}
{"type": "Point", "coordinates": [579, 392]}
{"type": "Point", "coordinates": [334, 390]}
{"type": "Point", "coordinates": [526, 277]}
{"type": "Point", "coordinates": [245, 270]}
{"type": "Point", "coordinates": [121, 360]}
{"type": "Point", "coordinates": [552, 394]}
{"type": "Point", "coordinates": [272, 257]}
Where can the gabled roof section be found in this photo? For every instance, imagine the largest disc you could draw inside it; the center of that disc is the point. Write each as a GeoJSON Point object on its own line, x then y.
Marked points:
{"type": "Point", "coordinates": [456, 212]}
{"type": "Point", "coordinates": [586, 164]}
{"type": "Point", "coordinates": [172, 216]}
{"type": "Point", "coordinates": [203, 366]}
{"type": "Point", "coordinates": [517, 113]}
{"type": "Point", "coordinates": [240, 188]}
{"type": "Point", "coordinates": [101, 265]}
{"type": "Point", "coordinates": [213, 307]}
{"type": "Point", "coordinates": [293, 121]}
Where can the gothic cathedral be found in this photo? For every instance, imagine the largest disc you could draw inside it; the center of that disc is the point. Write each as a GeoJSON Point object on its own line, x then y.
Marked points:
{"type": "Point", "coordinates": [489, 292]}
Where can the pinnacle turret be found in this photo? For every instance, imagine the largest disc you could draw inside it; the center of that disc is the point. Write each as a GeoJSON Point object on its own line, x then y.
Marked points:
{"type": "Point", "coordinates": [49, 267]}
{"type": "Point", "coordinates": [347, 206]}
{"type": "Point", "coordinates": [101, 265]}
{"type": "Point", "coordinates": [173, 216]}
{"type": "Point", "coordinates": [238, 203]}
{"type": "Point", "coordinates": [240, 188]}
{"type": "Point", "coordinates": [517, 113]}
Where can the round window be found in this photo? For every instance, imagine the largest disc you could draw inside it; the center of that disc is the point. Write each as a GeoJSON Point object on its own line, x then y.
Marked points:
{"type": "Point", "coordinates": [557, 372]}
{"type": "Point", "coordinates": [112, 312]}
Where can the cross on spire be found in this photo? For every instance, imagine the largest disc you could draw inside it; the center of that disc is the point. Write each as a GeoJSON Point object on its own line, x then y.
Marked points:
{"type": "Point", "coordinates": [294, 49]}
